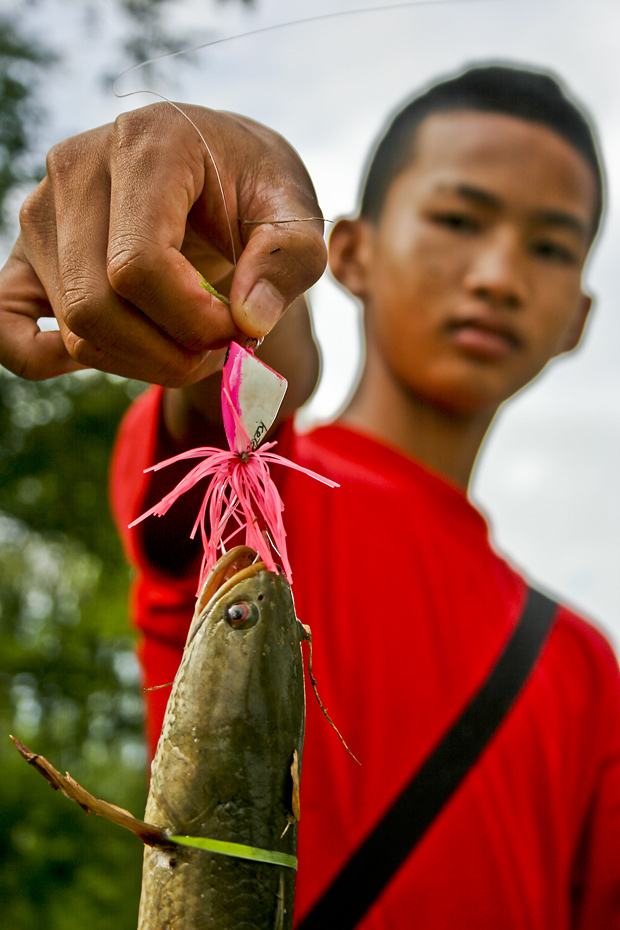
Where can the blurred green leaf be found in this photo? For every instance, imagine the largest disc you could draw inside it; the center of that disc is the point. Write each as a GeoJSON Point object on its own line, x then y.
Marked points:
{"type": "Point", "coordinates": [69, 681]}
{"type": "Point", "coordinates": [21, 61]}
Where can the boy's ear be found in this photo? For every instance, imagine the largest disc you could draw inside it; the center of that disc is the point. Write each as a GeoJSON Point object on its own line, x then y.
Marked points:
{"type": "Point", "coordinates": [349, 255]}
{"type": "Point", "coordinates": [575, 331]}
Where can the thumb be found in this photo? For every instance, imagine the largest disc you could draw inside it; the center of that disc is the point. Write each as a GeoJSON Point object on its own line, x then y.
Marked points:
{"type": "Point", "coordinates": [280, 261]}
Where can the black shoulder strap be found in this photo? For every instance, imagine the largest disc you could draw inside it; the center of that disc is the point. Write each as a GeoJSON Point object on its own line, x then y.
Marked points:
{"type": "Point", "coordinates": [371, 867]}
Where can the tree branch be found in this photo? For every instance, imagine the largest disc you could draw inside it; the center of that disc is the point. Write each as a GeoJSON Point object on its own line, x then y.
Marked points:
{"type": "Point", "coordinates": [147, 832]}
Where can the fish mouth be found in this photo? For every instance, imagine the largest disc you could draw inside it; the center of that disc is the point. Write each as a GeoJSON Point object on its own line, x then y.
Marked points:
{"type": "Point", "coordinates": [234, 566]}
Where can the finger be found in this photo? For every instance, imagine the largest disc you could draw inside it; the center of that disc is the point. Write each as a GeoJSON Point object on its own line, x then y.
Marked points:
{"type": "Point", "coordinates": [30, 353]}
{"type": "Point", "coordinates": [143, 352]}
{"type": "Point", "coordinates": [188, 206]}
{"type": "Point", "coordinates": [98, 327]}
{"type": "Point", "coordinates": [279, 262]}
{"type": "Point", "coordinates": [24, 348]}
{"type": "Point", "coordinates": [153, 192]}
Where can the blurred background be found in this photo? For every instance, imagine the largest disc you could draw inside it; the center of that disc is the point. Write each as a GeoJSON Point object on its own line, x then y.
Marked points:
{"type": "Point", "coordinates": [69, 685]}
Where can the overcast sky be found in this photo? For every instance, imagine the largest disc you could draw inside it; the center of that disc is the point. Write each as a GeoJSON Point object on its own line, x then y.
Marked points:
{"type": "Point", "coordinates": [548, 479]}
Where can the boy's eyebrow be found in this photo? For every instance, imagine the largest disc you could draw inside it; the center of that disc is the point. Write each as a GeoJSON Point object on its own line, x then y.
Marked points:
{"type": "Point", "coordinates": [564, 220]}
{"type": "Point", "coordinates": [545, 217]}
{"type": "Point", "coordinates": [470, 192]}
{"type": "Point", "coordinates": [478, 194]}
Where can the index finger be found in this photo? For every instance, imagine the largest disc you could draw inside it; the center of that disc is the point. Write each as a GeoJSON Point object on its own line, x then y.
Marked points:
{"type": "Point", "coordinates": [153, 191]}
{"type": "Point", "coordinates": [232, 198]}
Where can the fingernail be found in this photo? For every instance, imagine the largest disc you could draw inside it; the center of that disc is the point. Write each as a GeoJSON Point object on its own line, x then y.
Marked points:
{"type": "Point", "coordinates": [263, 307]}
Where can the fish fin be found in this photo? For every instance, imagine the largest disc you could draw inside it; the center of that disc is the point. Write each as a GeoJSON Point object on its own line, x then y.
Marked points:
{"type": "Point", "coordinates": [295, 800]}
{"type": "Point", "coordinates": [148, 832]}
{"type": "Point", "coordinates": [293, 815]}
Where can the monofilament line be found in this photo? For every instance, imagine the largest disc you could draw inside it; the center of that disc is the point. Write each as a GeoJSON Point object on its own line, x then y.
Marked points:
{"type": "Point", "coordinates": [303, 21]}
{"type": "Point", "coordinates": [206, 145]}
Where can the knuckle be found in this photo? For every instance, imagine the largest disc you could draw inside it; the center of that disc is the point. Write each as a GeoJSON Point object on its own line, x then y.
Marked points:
{"type": "Point", "coordinates": [81, 312]}
{"type": "Point", "coordinates": [30, 212]}
{"type": "Point", "coordinates": [62, 160]}
{"type": "Point", "coordinates": [79, 349]}
{"type": "Point", "coordinates": [56, 159]}
{"type": "Point", "coordinates": [132, 124]}
{"type": "Point", "coordinates": [129, 126]}
{"type": "Point", "coordinates": [136, 143]}
{"type": "Point", "coordinates": [135, 131]}
{"type": "Point", "coordinates": [128, 266]}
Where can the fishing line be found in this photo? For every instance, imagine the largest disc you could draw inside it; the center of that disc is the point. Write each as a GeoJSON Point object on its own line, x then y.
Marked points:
{"type": "Point", "coordinates": [303, 21]}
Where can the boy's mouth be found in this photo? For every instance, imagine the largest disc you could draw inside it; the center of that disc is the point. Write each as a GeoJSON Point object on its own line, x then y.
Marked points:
{"type": "Point", "coordinates": [485, 337]}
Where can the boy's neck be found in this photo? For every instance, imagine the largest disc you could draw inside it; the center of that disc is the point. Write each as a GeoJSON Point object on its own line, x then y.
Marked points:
{"type": "Point", "coordinates": [447, 442]}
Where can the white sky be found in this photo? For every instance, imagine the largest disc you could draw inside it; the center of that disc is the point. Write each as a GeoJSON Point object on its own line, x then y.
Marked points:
{"type": "Point", "coordinates": [548, 479]}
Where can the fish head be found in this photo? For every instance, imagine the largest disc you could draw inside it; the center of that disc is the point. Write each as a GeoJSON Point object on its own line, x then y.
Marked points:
{"type": "Point", "coordinates": [246, 625]}
{"type": "Point", "coordinates": [235, 717]}
{"type": "Point", "coordinates": [253, 587]}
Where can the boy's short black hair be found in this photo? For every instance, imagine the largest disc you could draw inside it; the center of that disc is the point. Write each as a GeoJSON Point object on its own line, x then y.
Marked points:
{"type": "Point", "coordinates": [513, 91]}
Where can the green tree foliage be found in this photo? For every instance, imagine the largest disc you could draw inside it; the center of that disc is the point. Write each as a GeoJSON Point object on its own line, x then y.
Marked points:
{"type": "Point", "coordinates": [19, 64]}
{"type": "Point", "coordinates": [150, 35]}
{"type": "Point", "coordinates": [68, 678]}
{"type": "Point", "coordinates": [69, 682]}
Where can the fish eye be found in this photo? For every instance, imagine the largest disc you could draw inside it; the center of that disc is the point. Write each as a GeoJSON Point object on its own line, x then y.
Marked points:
{"type": "Point", "coordinates": [242, 615]}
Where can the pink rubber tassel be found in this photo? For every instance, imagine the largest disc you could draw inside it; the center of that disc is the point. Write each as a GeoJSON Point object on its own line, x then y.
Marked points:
{"type": "Point", "coordinates": [240, 493]}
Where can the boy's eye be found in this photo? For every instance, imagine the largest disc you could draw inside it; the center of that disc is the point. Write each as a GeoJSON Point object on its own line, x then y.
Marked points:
{"type": "Point", "coordinates": [457, 221]}
{"type": "Point", "coordinates": [554, 251]}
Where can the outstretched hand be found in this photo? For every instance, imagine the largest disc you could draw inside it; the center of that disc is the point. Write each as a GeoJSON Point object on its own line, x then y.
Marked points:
{"type": "Point", "coordinates": [114, 238]}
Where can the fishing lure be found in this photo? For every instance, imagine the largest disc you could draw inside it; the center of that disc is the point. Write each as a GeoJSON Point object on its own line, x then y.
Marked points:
{"type": "Point", "coordinates": [241, 495]}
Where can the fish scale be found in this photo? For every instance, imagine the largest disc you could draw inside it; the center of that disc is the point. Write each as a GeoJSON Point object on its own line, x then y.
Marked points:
{"type": "Point", "coordinates": [222, 769]}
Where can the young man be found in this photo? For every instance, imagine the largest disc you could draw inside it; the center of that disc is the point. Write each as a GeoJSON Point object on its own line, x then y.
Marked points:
{"type": "Point", "coordinates": [477, 216]}
{"type": "Point", "coordinates": [478, 213]}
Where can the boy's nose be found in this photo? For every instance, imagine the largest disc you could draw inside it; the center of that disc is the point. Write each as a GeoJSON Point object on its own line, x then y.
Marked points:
{"type": "Point", "coordinates": [496, 274]}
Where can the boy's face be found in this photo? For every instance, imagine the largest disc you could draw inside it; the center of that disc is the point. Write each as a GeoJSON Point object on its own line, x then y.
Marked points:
{"type": "Point", "coordinates": [471, 278]}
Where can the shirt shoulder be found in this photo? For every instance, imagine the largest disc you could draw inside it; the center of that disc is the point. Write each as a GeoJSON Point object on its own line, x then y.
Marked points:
{"type": "Point", "coordinates": [591, 659]}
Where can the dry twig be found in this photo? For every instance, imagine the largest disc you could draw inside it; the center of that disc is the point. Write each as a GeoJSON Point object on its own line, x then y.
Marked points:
{"type": "Point", "coordinates": [147, 832]}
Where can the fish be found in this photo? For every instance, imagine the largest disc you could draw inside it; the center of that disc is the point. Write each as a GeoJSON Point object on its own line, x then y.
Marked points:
{"type": "Point", "coordinates": [220, 827]}
{"type": "Point", "coordinates": [228, 762]}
